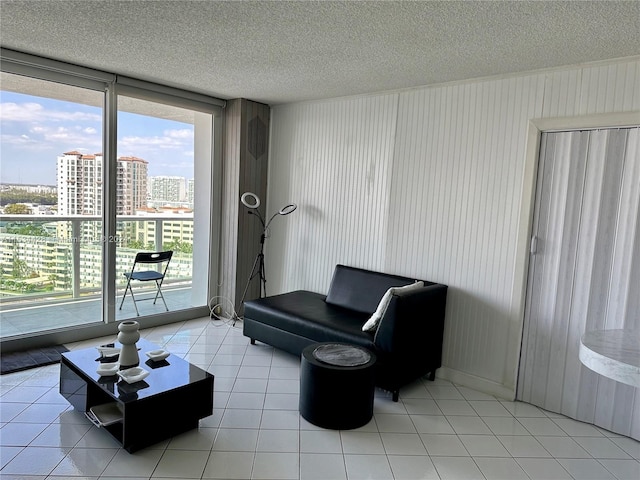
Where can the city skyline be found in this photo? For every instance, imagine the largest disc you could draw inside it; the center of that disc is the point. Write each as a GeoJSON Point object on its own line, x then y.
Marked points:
{"type": "Point", "coordinates": [36, 130]}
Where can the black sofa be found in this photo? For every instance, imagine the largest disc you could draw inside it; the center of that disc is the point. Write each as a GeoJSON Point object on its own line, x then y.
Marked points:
{"type": "Point", "coordinates": [408, 340]}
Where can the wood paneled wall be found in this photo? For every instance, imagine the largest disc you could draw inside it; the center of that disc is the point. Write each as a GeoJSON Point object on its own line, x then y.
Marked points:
{"type": "Point", "coordinates": [428, 183]}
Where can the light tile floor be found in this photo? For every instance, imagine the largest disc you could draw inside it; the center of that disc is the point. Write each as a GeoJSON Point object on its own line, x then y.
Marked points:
{"type": "Point", "coordinates": [436, 431]}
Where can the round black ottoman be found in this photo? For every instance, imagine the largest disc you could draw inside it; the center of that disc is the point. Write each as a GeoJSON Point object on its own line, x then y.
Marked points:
{"type": "Point", "coordinates": [337, 385]}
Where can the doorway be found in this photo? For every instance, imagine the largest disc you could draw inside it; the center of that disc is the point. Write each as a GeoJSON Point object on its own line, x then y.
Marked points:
{"type": "Point", "coordinates": [584, 273]}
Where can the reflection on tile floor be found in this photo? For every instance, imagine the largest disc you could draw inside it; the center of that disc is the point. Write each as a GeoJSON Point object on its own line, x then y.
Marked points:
{"type": "Point", "coordinates": [436, 431]}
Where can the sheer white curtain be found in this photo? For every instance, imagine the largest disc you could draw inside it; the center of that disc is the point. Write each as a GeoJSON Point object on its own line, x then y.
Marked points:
{"type": "Point", "coordinates": [584, 273]}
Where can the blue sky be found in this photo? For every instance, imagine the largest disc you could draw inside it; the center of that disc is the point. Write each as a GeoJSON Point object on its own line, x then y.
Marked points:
{"type": "Point", "coordinates": [34, 131]}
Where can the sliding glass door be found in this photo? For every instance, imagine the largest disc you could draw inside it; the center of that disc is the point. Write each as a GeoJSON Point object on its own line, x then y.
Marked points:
{"type": "Point", "coordinates": [51, 200]}
{"type": "Point", "coordinates": [161, 144]}
{"type": "Point", "coordinates": [95, 169]}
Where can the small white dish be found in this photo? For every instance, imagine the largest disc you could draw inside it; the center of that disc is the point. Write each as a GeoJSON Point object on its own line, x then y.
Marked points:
{"type": "Point", "coordinates": [107, 369]}
{"type": "Point", "coordinates": [133, 375]}
{"type": "Point", "coordinates": [157, 355]}
{"type": "Point", "coordinates": [108, 351]}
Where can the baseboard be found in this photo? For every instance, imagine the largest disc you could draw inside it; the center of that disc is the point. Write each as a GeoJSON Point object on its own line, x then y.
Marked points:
{"type": "Point", "coordinates": [477, 383]}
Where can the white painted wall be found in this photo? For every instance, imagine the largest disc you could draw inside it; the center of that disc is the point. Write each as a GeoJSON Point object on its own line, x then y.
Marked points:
{"type": "Point", "coordinates": [430, 183]}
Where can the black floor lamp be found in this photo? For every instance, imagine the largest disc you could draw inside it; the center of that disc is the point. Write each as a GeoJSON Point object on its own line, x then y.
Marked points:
{"type": "Point", "coordinates": [252, 202]}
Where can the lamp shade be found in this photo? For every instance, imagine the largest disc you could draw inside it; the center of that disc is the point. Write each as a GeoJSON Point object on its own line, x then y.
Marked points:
{"type": "Point", "coordinates": [287, 209]}
{"type": "Point", "coordinates": [250, 200]}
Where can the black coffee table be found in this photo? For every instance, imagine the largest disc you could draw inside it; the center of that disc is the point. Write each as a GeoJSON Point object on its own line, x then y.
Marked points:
{"type": "Point", "coordinates": [169, 401]}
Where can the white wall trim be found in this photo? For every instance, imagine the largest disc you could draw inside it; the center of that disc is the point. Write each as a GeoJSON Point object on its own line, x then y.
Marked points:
{"type": "Point", "coordinates": [586, 122]}
{"type": "Point", "coordinates": [523, 243]}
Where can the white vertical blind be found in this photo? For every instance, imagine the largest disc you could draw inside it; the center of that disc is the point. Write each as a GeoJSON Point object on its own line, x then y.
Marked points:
{"type": "Point", "coordinates": [584, 274]}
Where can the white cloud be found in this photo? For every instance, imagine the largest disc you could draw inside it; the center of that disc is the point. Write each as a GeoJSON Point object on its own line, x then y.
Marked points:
{"type": "Point", "coordinates": [183, 133]}
{"type": "Point", "coordinates": [168, 154]}
{"type": "Point", "coordinates": [58, 139]}
{"type": "Point", "coordinates": [70, 136]}
{"type": "Point", "coordinates": [23, 142]}
{"type": "Point", "coordinates": [32, 126]}
{"type": "Point", "coordinates": [147, 147]}
{"type": "Point", "coordinates": [26, 112]}
{"type": "Point", "coordinates": [58, 134]}
{"type": "Point", "coordinates": [35, 112]}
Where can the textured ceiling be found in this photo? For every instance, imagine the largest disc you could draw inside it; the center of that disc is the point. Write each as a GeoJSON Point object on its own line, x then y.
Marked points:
{"type": "Point", "coordinates": [277, 52]}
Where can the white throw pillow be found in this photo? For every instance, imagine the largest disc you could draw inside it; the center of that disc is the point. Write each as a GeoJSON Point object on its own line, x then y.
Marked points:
{"type": "Point", "coordinates": [374, 320]}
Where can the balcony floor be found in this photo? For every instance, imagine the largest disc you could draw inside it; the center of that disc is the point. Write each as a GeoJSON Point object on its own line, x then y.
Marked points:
{"type": "Point", "coordinates": [24, 318]}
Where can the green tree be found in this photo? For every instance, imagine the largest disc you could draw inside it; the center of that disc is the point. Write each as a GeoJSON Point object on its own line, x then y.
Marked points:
{"type": "Point", "coordinates": [17, 209]}
{"type": "Point", "coordinates": [178, 246]}
{"type": "Point", "coordinates": [33, 229]}
{"type": "Point", "coordinates": [137, 244]}
{"type": "Point", "coordinates": [20, 269]}
{"type": "Point", "coordinates": [18, 195]}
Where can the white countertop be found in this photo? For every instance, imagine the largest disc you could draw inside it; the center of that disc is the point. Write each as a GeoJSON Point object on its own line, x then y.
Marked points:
{"type": "Point", "coordinates": [613, 353]}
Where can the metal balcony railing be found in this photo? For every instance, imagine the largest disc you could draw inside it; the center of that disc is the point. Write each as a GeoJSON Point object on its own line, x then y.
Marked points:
{"type": "Point", "coordinates": [69, 256]}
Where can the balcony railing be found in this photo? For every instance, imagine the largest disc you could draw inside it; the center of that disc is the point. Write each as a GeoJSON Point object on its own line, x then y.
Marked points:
{"type": "Point", "coordinates": [48, 257]}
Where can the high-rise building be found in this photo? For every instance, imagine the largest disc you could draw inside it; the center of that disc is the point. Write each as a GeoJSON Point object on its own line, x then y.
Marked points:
{"type": "Point", "coordinates": [79, 179]}
{"type": "Point", "coordinates": [132, 185]}
{"type": "Point", "coordinates": [80, 191]}
{"type": "Point", "coordinates": [167, 190]}
{"type": "Point", "coordinates": [190, 192]}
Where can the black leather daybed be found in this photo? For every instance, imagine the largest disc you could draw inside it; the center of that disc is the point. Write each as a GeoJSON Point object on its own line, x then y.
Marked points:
{"type": "Point", "coordinates": [407, 340]}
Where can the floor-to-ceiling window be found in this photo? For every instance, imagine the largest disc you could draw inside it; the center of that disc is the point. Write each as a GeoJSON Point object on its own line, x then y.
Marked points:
{"type": "Point", "coordinates": [50, 196]}
{"type": "Point", "coordinates": [161, 143]}
{"type": "Point", "coordinates": [93, 169]}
